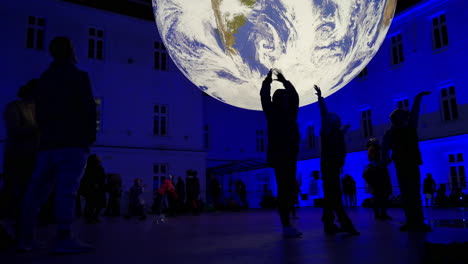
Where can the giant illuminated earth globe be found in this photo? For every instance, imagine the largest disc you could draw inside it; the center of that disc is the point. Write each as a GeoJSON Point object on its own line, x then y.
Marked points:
{"type": "Point", "coordinates": [226, 47]}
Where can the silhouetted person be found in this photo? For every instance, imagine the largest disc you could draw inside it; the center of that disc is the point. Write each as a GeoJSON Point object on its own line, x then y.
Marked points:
{"type": "Point", "coordinates": [163, 194]}
{"type": "Point", "coordinates": [21, 148]}
{"type": "Point", "coordinates": [66, 116]}
{"type": "Point", "coordinates": [216, 190]}
{"type": "Point", "coordinates": [93, 187]}
{"type": "Point", "coordinates": [347, 185]}
{"type": "Point", "coordinates": [283, 143]}
{"type": "Point", "coordinates": [241, 190]}
{"type": "Point", "coordinates": [377, 176]}
{"type": "Point", "coordinates": [171, 196]}
{"type": "Point", "coordinates": [441, 199]}
{"type": "Point", "coordinates": [353, 192]}
{"type": "Point", "coordinates": [180, 189]}
{"type": "Point", "coordinates": [297, 191]}
{"type": "Point", "coordinates": [136, 203]}
{"type": "Point", "coordinates": [332, 159]}
{"type": "Point", "coordinates": [402, 140]}
{"type": "Point", "coordinates": [192, 191]}
{"type": "Point", "coordinates": [114, 188]}
{"type": "Point", "coordinates": [429, 188]}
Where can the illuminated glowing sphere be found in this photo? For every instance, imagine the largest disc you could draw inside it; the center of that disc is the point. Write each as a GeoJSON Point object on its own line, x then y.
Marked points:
{"type": "Point", "coordinates": [226, 47]}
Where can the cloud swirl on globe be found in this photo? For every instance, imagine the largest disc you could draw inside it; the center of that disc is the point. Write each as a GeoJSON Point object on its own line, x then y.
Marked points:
{"type": "Point", "coordinates": [226, 47]}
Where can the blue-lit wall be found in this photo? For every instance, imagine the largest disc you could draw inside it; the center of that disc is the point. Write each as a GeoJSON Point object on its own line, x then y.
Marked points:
{"type": "Point", "coordinates": [125, 80]}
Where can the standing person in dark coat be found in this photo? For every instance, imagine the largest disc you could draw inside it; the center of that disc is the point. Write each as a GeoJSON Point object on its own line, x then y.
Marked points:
{"type": "Point", "coordinates": [429, 188]}
{"type": "Point", "coordinates": [241, 190]}
{"type": "Point", "coordinates": [346, 184]}
{"type": "Point", "coordinates": [353, 192]}
{"type": "Point", "coordinates": [66, 116]}
{"type": "Point", "coordinates": [378, 178]}
{"type": "Point", "coordinates": [402, 140]}
{"type": "Point", "coordinates": [136, 203]}
{"type": "Point", "coordinates": [180, 190]}
{"type": "Point", "coordinates": [93, 187]}
{"type": "Point", "coordinates": [283, 143]}
{"type": "Point", "coordinates": [216, 190]}
{"type": "Point", "coordinates": [114, 187]}
{"type": "Point", "coordinates": [193, 191]}
{"type": "Point", "coordinates": [21, 148]}
{"type": "Point", "coordinates": [332, 159]}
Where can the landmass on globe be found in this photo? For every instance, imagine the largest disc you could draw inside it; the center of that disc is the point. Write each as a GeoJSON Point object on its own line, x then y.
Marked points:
{"type": "Point", "coordinates": [226, 47]}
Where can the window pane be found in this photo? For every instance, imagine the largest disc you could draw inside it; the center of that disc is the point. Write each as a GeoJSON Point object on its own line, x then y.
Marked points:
{"type": "Point", "coordinates": [41, 22]}
{"type": "Point", "coordinates": [100, 50]}
{"type": "Point", "coordinates": [40, 39]}
{"type": "Point", "coordinates": [163, 168]}
{"type": "Point", "coordinates": [446, 110]}
{"type": "Point", "coordinates": [156, 109]}
{"type": "Point", "coordinates": [444, 92]}
{"type": "Point", "coordinates": [163, 61]}
{"type": "Point", "coordinates": [394, 54]}
{"type": "Point", "coordinates": [91, 48]}
{"type": "Point", "coordinates": [100, 33]}
{"type": "Point", "coordinates": [156, 125]}
{"type": "Point", "coordinates": [92, 31]}
{"type": "Point", "coordinates": [156, 169]}
{"type": "Point", "coordinates": [437, 38]}
{"type": "Point", "coordinates": [400, 54]}
{"type": "Point", "coordinates": [156, 61]}
{"type": "Point", "coordinates": [163, 126]}
{"type": "Point", "coordinates": [445, 39]}
{"type": "Point", "coordinates": [454, 108]}
{"type": "Point", "coordinates": [442, 18]}
{"type": "Point", "coordinates": [435, 21]}
{"type": "Point", "coordinates": [453, 171]}
{"type": "Point", "coordinates": [452, 90]}
{"type": "Point", "coordinates": [156, 45]}
{"type": "Point", "coordinates": [163, 110]}
{"type": "Point", "coordinates": [461, 171]}
{"type": "Point", "coordinates": [30, 38]}
{"type": "Point", "coordinates": [31, 20]}
{"type": "Point", "coordinates": [451, 158]}
{"type": "Point", "coordinates": [459, 157]}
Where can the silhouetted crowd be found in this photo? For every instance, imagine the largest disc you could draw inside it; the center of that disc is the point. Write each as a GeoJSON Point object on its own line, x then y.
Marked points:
{"type": "Point", "coordinates": [400, 145]}
{"type": "Point", "coordinates": [48, 172]}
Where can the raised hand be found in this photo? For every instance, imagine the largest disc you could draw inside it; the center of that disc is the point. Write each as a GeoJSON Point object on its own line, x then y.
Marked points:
{"type": "Point", "coordinates": [280, 77]}
{"type": "Point", "coordinates": [269, 77]}
{"type": "Point", "coordinates": [318, 91]}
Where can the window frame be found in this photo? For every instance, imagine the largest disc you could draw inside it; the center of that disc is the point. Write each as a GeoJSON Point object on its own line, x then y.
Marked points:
{"type": "Point", "coordinates": [458, 164]}
{"type": "Point", "coordinates": [448, 104]}
{"type": "Point", "coordinates": [440, 28]}
{"type": "Point", "coordinates": [96, 43]}
{"type": "Point", "coordinates": [366, 122]}
{"type": "Point", "coordinates": [34, 28]}
{"type": "Point", "coordinates": [397, 52]}
{"type": "Point", "coordinates": [160, 116]}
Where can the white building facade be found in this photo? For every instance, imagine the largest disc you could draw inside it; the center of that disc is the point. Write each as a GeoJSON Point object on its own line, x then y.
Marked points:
{"type": "Point", "coordinates": [150, 115]}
